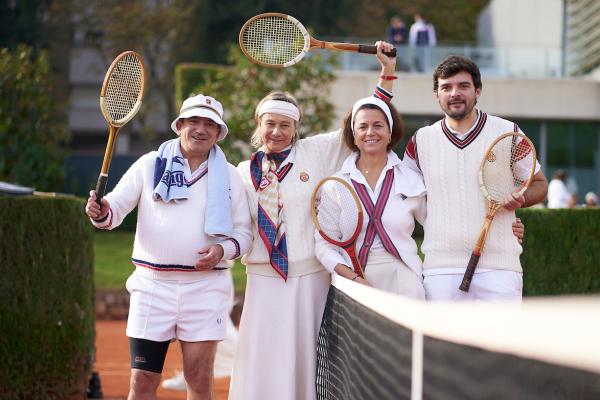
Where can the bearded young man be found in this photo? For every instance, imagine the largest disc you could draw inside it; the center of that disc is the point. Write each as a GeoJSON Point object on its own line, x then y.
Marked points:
{"type": "Point", "coordinates": [448, 154]}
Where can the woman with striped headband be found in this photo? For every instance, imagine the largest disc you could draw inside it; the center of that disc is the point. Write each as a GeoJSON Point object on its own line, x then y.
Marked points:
{"type": "Point", "coordinates": [287, 286]}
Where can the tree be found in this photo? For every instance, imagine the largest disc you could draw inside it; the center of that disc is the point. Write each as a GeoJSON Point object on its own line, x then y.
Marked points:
{"type": "Point", "coordinates": [31, 134]}
{"type": "Point", "coordinates": [240, 87]}
{"type": "Point", "coordinates": [159, 30]}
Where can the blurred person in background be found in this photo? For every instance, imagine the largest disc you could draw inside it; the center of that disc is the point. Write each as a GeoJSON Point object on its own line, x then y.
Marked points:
{"type": "Point", "coordinates": [591, 200]}
{"type": "Point", "coordinates": [558, 194]}
{"type": "Point", "coordinates": [421, 38]}
{"type": "Point", "coordinates": [397, 34]}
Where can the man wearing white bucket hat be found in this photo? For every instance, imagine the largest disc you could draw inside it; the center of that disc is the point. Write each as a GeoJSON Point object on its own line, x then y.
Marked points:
{"type": "Point", "coordinates": [192, 217]}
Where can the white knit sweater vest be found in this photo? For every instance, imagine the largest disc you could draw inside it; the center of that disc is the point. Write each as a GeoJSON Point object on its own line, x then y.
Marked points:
{"type": "Point", "coordinates": [456, 208]}
{"type": "Point", "coordinates": [316, 157]}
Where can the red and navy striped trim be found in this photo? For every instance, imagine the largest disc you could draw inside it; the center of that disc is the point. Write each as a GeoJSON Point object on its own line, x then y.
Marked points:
{"type": "Point", "coordinates": [163, 267]}
{"type": "Point", "coordinates": [375, 212]}
{"type": "Point", "coordinates": [383, 94]}
{"type": "Point", "coordinates": [196, 179]}
{"type": "Point", "coordinates": [471, 136]}
{"type": "Point", "coordinates": [237, 248]}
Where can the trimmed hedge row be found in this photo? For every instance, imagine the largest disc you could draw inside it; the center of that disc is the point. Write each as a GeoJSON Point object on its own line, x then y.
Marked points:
{"type": "Point", "coordinates": [561, 251]}
{"type": "Point", "coordinates": [46, 298]}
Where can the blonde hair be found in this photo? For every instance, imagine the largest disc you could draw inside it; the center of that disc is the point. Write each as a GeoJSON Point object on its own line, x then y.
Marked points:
{"type": "Point", "coordinates": [256, 138]}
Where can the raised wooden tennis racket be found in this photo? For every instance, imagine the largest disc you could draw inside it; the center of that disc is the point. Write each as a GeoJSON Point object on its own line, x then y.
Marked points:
{"type": "Point", "coordinates": [120, 99]}
{"type": "Point", "coordinates": [338, 216]}
{"type": "Point", "coordinates": [508, 166]}
{"type": "Point", "coordinates": [280, 40]}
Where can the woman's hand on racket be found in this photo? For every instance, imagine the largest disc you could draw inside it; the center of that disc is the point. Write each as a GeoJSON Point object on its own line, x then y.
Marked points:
{"type": "Point", "coordinates": [348, 273]}
{"type": "Point", "coordinates": [93, 209]}
{"type": "Point", "coordinates": [388, 65]}
{"type": "Point", "coordinates": [513, 201]}
{"type": "Point", "coordinates": [518, 230]}
{"type": "Point", "coordinates": [209, 257]}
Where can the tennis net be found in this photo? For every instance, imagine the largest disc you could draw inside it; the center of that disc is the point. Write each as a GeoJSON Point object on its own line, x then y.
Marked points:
{"type": "Point", "coordinates": [375, 345]}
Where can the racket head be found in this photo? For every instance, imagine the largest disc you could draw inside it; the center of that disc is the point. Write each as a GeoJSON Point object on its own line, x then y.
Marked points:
{"type": "Point", "coordinates": [123, 88]}
{"type": "Point", "coordinates": [338, 216]}
{"type": "Point", "coordinates": [507, 166]}
{"type": "Point", "coordinates": [274, 40]}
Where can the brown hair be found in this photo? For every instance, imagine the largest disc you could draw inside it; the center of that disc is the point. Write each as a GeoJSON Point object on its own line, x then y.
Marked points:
{"type": "Point", "coordinates": [453, 65]}
{"type": "Point", "coordinates": [397, 130]}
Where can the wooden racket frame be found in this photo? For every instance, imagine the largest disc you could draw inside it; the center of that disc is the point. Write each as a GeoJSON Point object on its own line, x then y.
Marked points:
{"type": "Point", "coordinates": [493, 206]}
{"type": "Point", "coordinates": [310, 43]}
{"type": "Point", "coordinates": [349, 246]}
{"type": "Point", "coordinates": [115, 126]}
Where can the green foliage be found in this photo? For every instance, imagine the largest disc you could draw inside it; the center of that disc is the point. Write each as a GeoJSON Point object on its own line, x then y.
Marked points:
{"type": "Point", "coordinates": [240, 87]}
{"type": "Point", "coordinates": [160, 31]}
{"type": "Point", "coordinates": [46, 297]}
{"type": "Point", "coordinates": [112, 258]}
{"type": "Point", "coordinates": [560, 252]}
{"type": "Point", "coordinates": [31, 136]}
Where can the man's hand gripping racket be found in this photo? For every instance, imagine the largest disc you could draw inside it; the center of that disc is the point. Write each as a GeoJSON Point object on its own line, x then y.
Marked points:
{"type": "Point", "coordinates": [505, 173]}
{"type": "Point", "coordinates": [120, 99]}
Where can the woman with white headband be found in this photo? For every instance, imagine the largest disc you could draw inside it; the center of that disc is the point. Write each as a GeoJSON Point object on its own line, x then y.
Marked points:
{"type": "Point", "coordinates": [287, 286]}
{"type": "Point", "coordinates": [392, 197]}
{"type": "Point", "coordinates": [389, 193]}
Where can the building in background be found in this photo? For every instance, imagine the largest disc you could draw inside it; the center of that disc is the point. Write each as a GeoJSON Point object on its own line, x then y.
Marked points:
{"type": "Point", "coordinates": [540, 61]}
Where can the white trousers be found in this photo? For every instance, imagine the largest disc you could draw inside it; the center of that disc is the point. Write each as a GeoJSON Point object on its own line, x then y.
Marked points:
{"type": "Point", "coordinates": [485, 286]}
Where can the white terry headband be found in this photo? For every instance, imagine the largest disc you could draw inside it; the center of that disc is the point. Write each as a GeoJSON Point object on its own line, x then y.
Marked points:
{"type": "Point", "coordinates": [279, 107]}
{"type": "Point", "coordinates": [376, 102]}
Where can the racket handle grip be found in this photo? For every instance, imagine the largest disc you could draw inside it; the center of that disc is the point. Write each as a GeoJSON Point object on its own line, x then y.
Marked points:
{"type": "Point", "coordinates": [101, 188]}
{"type": "Point", "coordinates": [370, 49]}
{"type": "Point", "coordinates": [468, 276]}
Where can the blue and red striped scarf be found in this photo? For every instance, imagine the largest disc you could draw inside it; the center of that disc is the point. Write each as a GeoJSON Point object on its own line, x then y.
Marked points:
{"type": "Point", "coordinates": [266, 177]}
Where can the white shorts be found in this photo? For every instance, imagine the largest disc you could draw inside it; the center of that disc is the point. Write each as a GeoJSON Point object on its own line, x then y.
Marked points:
{"type": "Point", "coordinates": [191, 311]}
{"type": "Point", "coordinates": [485, 286]}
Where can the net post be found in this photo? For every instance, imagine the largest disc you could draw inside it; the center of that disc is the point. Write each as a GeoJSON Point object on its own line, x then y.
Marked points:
{"type": "Point", "coordinates": [416, 387]}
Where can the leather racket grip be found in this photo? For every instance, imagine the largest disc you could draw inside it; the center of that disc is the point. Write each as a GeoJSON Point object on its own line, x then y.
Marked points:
{"type": "Point", "coordinates": [468, 276]}
{"type": "Point", "coordinates": [101, 188]}
{"type": "Point", "coordinates": [370, 49]}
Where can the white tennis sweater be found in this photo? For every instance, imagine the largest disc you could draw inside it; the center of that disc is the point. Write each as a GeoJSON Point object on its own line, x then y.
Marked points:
{"type": "Point", "coordinates": [316, 157]}
{"type": "Point", "coordinates": [169, 235]}
{"type": "Point", "coordinates": [456, 208]}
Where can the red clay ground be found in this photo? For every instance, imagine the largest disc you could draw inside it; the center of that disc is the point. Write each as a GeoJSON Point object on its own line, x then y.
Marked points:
{"type": "Point", "coordinates": [112, 363]}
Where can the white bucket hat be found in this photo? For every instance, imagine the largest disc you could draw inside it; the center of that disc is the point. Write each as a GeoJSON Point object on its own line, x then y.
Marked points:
{"type": "Point", "coordinates": [202, 106]}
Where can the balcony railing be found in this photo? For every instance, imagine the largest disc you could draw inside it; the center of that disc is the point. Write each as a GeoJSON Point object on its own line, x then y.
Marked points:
{"type": "Point", "coordinates": [492, 61]}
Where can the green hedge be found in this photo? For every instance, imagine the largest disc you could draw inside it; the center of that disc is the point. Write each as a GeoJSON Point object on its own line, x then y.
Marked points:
{"type": "Point", "coordinates": [46, 298]}
{"type": "Point", "coordinates": [561, 251]}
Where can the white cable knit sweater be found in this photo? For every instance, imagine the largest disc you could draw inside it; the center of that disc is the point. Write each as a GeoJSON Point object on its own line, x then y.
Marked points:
{"type": "Point", "coordinates": [456, 208]}
{"type": "Point", "coordinates": [169, 235]}
{"type": "Point", "coordinates": [316, 157]}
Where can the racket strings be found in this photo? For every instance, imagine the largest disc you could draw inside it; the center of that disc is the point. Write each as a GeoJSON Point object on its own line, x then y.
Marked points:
{"type": "Point", "coordinates": [507, 167]}
{"type": "Point", "coordinates": [337, 211]}
{"type": "Point", "coordinates": [273, 40]}
{"type": "Point", "coordinates": [124, 87]}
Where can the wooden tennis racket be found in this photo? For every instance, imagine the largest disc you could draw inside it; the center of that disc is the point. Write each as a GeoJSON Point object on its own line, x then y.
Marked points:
{"type": "Point", "coordinates": [338, 216]}
{"type": "Point", "coordinates": [508, 166]}
{"type": "Point", "coordinates": [280, 40]}
{"type": "Point", "coordinates": [120, 99]}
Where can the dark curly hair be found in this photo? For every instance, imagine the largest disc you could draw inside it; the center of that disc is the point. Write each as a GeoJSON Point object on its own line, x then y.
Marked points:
{"type": "Point", "coordinates": [452, 65]}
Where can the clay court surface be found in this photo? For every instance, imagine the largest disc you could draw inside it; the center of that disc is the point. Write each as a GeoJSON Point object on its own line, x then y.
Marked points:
{"type": "Point", "coordinates": [112, 363]}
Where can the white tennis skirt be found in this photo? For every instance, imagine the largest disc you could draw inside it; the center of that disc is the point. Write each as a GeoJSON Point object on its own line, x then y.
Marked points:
{"type": "Point", "coordinates": [276, 357]}
{"type": "Point", "coordinates": [386, 272]}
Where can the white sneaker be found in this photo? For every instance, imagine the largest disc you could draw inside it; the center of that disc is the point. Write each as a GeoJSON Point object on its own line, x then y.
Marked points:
{"type": "Point", "coordinates": [176, 382]}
